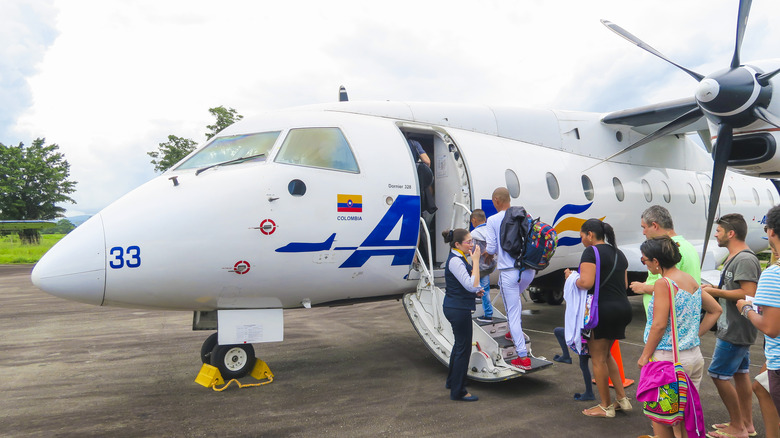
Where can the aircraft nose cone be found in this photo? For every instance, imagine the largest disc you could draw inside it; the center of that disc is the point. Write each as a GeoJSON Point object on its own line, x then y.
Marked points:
{"type": "Point", "coordinates": [75, 268]}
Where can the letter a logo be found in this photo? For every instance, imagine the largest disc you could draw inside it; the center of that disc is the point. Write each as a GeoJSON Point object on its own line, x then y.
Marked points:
{"type": "Point", "coordinates": [405, 209]}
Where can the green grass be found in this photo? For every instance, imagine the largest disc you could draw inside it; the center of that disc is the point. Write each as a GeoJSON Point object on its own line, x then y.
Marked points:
{"type": "Point", "coordinates": [13, 252]}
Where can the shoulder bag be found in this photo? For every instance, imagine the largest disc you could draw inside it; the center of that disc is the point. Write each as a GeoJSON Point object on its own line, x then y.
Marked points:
{"type": "Point", "coordinates": [663, 385]}
{"type": "Point", "coordinates": [591, 318]}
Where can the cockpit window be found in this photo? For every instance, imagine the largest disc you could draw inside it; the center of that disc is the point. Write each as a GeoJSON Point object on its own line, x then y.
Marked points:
{"type": "Point", "coordinates": [232, 147]}
{"type": "Point", "coordinates": [325, 148]}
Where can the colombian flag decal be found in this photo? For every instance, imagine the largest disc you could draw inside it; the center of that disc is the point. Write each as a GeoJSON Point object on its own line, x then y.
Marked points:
{"type": "Point", "coordinates": [349, 203]}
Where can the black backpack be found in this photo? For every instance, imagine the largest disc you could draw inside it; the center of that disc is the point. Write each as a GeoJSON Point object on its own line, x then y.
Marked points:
{"type": "Point", "coordinates": [514, 228]}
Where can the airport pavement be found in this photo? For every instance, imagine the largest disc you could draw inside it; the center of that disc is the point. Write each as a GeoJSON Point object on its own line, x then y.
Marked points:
{"type": "Point", "coordinates": [71, 369]}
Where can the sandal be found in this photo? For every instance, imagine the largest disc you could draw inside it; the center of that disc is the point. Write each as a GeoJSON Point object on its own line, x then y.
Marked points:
{"type": "Point", "coordinates": [608, 412]}
{"type": "Point", "coordinates": [624, 405]}
{"type": "Point", "coordinates": [718, 426]}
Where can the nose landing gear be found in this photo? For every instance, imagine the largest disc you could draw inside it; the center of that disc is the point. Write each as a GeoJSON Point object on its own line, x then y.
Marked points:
{"type": "Point", "coordinates": [232, 361]}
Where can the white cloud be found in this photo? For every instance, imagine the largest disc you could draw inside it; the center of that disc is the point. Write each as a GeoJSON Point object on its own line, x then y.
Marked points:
{"type": "Point", "coordinates": [121, 76]}
{"type": "Point", "coordinates": [26, 30]}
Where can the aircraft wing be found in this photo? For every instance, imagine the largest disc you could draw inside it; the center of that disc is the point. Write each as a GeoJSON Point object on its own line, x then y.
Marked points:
{"type": "Point", "coordinates": [648, 119]}
{"type": "Point", "coordinates": [9, 226]}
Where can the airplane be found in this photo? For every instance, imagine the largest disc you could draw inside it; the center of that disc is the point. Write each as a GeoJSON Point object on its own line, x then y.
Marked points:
{"type": "Point", "coordinates": [321, 205]}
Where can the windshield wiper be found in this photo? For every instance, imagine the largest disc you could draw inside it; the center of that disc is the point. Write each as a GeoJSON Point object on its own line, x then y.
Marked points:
{"type": "Point", "coordinates": [234, 161]}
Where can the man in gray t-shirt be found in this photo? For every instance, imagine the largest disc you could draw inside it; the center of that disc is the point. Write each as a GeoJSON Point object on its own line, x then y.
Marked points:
{"type": "Point", "coordinates": [731, 358]}
{"type": "Point", "coordinates": [732, 327]}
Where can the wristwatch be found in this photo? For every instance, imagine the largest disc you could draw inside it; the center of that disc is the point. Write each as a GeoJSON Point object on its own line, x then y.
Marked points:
{"type": "Point", "coordinates": [747, 308]}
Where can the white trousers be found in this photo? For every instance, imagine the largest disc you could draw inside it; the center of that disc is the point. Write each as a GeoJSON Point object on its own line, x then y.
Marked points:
{"type": "Point", "coordinates": [511, 291]}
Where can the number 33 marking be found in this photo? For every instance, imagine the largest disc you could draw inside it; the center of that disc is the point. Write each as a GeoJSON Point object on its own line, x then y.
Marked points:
{"type": "Point", "coordinates": [133, 254]}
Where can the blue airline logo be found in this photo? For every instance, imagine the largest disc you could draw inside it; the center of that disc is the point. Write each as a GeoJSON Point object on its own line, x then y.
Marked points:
{"type": "Point", "coordinates": [405, 209]}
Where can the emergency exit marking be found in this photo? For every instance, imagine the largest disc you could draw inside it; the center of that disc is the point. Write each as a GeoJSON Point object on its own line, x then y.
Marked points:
{"type": "Point", "coordinates": [267, 227]}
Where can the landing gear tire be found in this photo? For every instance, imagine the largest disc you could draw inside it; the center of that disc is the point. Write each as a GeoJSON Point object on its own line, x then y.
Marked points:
{"type": "Point", "coordinates": [207, 348]}
{"type": "Point", "coordinates": [554, 296]}
{"type": "Point", "coordinates": [537, 296]}
{"type": "Point", "coordinates": [233, 361]}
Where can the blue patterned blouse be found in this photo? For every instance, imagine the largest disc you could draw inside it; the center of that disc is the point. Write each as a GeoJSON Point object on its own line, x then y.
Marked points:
{"type": "Point", "coordinates": [688, 307]}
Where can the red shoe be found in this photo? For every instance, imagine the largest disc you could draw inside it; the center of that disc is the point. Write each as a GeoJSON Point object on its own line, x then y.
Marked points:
{"type": "Point", "coordinates": [523, 363]}
{"type": "Point", "coordinates": [508, 336]}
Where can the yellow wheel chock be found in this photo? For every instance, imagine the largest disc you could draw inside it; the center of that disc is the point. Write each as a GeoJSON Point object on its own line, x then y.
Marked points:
{"type": "Point", "coordinates": [209, 376]}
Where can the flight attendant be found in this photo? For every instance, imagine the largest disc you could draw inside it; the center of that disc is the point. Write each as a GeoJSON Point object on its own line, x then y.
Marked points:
{"type": "Point", "coordinates": [462, 288]}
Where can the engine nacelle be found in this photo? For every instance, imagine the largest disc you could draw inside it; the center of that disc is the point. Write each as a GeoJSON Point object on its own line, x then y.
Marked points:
{"type": "Point", "coordinates": [756, 154]}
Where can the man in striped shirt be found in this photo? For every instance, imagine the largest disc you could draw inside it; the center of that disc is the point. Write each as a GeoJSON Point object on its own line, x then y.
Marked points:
{"type": "Point", "coordinates": [768, 298]}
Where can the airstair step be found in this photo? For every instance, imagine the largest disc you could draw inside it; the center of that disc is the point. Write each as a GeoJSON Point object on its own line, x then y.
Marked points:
{"type": "Point", "coordinates": [496, 320]}
{"type": "Point", "coordinates": [537, 364]}
{"type": "Point", "coordinates": [507, 346]}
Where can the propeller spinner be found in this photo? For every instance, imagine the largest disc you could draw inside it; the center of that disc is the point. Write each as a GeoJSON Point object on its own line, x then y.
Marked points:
{"type": "Point", "coordinates": [730, 98]}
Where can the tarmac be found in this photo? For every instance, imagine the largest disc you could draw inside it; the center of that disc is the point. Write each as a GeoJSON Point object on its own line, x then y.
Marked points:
{"type": "Point", "coordinates": [71, 369]}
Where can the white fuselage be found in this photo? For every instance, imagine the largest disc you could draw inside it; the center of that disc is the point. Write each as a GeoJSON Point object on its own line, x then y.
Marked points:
{"type": "Point", "coordinates": [239, 237]}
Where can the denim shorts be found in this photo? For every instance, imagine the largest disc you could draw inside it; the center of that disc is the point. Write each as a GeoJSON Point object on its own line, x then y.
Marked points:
{"type": "Point", "coordinates": [728, 359]}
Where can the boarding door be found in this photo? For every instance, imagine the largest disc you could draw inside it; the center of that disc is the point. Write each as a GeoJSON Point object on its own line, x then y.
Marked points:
{"type": "Point", "coordinates": [453, 191]}
{"type": "Point", "coordinates": [449, 203]}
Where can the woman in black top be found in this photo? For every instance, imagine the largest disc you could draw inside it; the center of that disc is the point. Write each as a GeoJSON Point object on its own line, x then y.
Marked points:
{"type": "Point", "coordinates": [614, 310]}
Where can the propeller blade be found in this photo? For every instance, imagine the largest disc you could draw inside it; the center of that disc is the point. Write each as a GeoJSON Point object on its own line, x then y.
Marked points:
{"type": "Point", "coordinates": [766, 116]}
{"type": "Point", "coordinates": [744, 11]}
{"type": "Point", "coordinates": [721, 158]}
{"type": "Point", "coordinates": [764, 78]}
{"type": "Point", "coordinates": [628, 36]}
{"type": "Point", "coordinates": [684, 120]}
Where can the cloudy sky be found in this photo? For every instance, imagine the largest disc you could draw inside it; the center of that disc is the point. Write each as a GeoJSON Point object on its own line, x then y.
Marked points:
{"type": "Point", "coordinates": [107, 80]}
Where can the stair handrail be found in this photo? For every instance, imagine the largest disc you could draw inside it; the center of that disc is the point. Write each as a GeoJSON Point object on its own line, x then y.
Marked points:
{"type": "Point", "coordinates": [427, 270]}
{"type": "Point", "coordinates": [455, 210]}
{"type": "Point", "coordinates": [426, 279]}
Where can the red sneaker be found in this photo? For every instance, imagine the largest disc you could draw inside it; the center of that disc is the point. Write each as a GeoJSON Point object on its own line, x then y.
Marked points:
{"type": "Point", "coordinates": [523, 363]}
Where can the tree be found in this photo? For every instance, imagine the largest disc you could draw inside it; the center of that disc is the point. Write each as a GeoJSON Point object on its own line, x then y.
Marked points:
{"type": "Point", "coordinates": [176, 148]}
{"type": "Point", "coordinates": [225, 118]}
{"type": "Point", "coordinates": [171, 152]}
{"type": "Point", "coordinates": [33, 180]}
{"type": "Point", "coordinates": [63, 226]}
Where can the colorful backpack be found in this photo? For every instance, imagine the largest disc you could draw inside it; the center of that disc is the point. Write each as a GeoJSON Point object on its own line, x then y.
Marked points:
{"type": "Point", "coordinates": [540, 245]}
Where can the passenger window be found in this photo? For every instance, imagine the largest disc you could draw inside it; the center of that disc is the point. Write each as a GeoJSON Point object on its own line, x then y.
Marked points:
{"type": "Point", "coordinates": [619, 193]}
{"type": "Point", "coordinates": [691, 193]}
{"type": "Point", "coordinates": [666, 193]}
{"type": "Point", "coordinates": [771, 198]}
{"type": "Point", "coordinates": [325, 148]}
{"type": "Point", "coordinates": [732, 196]}
{"type": "Point", "coordinates": [647, 190]}
{"type": "Point", "coordinates": [232, 147]}
{"type": "Point", "coordinates": [755, 197]}
{"type": "Point", "coordinates": [512, 183]}
{"type": "Point", "coordinates": [552, 186]}
{"type": "Point", "coordinates": [587, 187]}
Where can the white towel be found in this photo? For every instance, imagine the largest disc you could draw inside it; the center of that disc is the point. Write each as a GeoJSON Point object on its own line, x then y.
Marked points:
{"type": "Point", "coordinates": [575, 312]}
